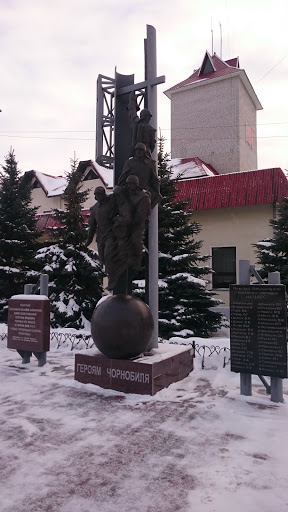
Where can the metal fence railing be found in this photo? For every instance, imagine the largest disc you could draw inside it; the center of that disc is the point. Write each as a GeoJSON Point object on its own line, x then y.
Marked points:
{"type": "Point", "coordinates": [76, 340]}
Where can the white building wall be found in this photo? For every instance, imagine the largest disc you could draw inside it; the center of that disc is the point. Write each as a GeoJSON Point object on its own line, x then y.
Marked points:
{"type": "Point", "coordinates": [238, 227]}
{"type": "Point", "coordinates": [45, 204]}
{"type": "Point", "coordinates": [90, 185]}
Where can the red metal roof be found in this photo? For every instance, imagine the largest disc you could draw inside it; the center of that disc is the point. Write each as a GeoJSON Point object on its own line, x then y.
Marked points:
{"type": "Point", "coordinates": [222, 68]}
{"type": "Point", "coordinates": [46, 221]}
{"type": "Point", "coordinates": [233, 62]}
{"type": "Point", "coordinates": [263, 186]}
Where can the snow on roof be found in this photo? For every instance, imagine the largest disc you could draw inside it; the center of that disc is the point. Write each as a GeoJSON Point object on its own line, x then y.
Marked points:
{"type": "Point", "coordinates": [56, 185]}
{"type": "Point", "coordinates": [188, 168]}
{"type": "Point", "coordinates": [264, 186]}
{"type": "Point", "coordinates": [52, 185]}
{"type": "Point", "coordinates": [106, 175]}
{"type": "Point", "coordinates": [29, 297]}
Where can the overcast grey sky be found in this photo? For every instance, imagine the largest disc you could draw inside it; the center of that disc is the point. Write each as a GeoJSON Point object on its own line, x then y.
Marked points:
{"type": "Point", "coordinates": [52, 53]}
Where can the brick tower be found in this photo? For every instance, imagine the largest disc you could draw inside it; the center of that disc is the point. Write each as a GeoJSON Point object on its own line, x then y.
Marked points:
{"type": "Point", "coordinates": [213, 116]}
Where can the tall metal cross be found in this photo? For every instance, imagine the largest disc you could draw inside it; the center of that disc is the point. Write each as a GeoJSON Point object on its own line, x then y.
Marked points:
{"type": "Point", "coordinates": [124, 85]}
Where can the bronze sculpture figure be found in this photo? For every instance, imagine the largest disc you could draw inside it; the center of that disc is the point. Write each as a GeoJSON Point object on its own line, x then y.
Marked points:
{"type": "Point", "coordinates": [134, 207]}
{"type": "Point", "coordinates": [101, 223]}
{"type": "Point", "coordinates": [144, 168]}
{"type": "Point", "coordinates": [142, 131]}
{"type": "Point", "coordinates": [119, 221]}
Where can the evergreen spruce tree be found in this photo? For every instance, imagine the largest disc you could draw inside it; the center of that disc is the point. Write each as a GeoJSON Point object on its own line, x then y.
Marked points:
{"type": "Point", "coordinates": [18, 235]}
{"type": "Point", "coordinates": [272, 253]}
{"type": "Point", "coordinates": [184, 301]}
{"type": "Point", "coordinates": [75, 275]}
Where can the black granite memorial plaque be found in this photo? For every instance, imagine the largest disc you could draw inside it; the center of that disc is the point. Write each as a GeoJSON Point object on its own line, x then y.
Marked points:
{"type": "Point", "coordinates": [258, 327]}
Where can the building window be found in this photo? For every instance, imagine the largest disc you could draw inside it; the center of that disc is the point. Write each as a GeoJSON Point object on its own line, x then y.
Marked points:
{"type": "Point", "coordinates": [36, 184]}
{"type": "Point", "coordinates": [224, 266]}
{"type": "Point", "coordinates": [91, 175]}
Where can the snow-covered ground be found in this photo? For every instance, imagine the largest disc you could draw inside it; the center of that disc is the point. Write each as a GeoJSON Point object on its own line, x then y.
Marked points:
{"type": "Point", "coordinates": [195, 446]}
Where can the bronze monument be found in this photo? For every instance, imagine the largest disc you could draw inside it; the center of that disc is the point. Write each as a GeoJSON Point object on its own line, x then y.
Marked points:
{"type": "Point", "coordinates": [142, 166]}
{"type": "Point", "coordinates": [119, 221]}
{"type": "Point", "coordinates": [134, 207]}
{"type": "Point", "coordinates": [101, 223]}
{"type": "Point", "coordinates": [141, 129]}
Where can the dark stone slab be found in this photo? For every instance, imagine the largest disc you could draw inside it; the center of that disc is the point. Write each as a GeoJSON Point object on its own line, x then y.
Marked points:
{"type": "Point", "coordinates": [145, 375]}
{"type": "Point", "coordinates": [258, 329]}
{"type": "Point", "coordinates": [29, 323]}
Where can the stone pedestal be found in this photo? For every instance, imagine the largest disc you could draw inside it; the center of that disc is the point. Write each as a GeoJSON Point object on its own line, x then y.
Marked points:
{"type": "Point", "coordinates": [144, 375]}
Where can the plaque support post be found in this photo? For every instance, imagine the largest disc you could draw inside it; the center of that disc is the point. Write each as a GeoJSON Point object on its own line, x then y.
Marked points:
{"type": "Point", "coordinates": [25, 354]}
{"type": "Point", "coordinates": [44, 280]}
{"type": "Point", "coordinates": [246, 384]}
{"type": "Point", "coordinates": [28, 289]}
{"type": "Point", "coordinates": [41, 358]}
{"type": "Point", "coordinates": [276, 383]}
{"type": "Point", "coordinates": [276, 389]}
{"type": "Point", "coordinates": [245, 378]}
{"type": "Point", "coordinates": [244, 272]}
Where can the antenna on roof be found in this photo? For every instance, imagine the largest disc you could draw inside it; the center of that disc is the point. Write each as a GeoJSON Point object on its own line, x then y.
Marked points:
{"type": "Point", "coordinates": [212, 36]}
{"type": "Point", "coordinates": [220, 39]}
